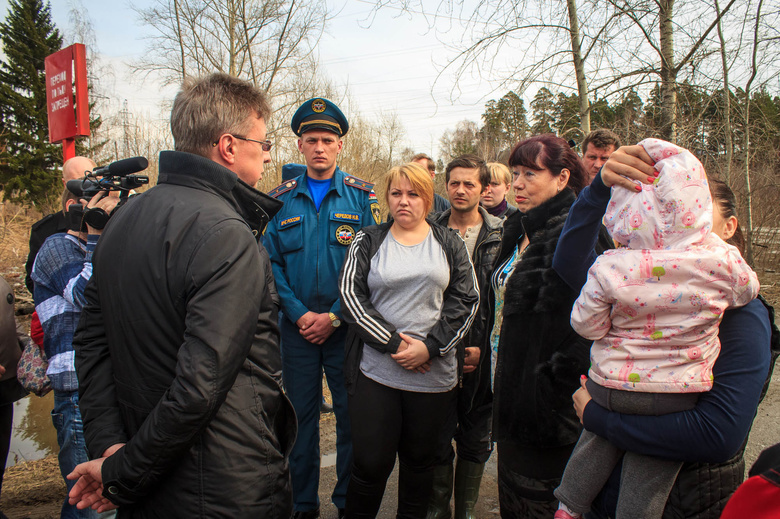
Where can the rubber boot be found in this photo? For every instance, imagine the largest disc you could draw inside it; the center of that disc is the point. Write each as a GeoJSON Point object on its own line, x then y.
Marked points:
{"type": "Point", "coordinates": [468, 476]}
{"type": "Point", "coordinates": [439, 504]}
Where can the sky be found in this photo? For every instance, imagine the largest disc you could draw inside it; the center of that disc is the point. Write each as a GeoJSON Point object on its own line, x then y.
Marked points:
{"type": "Point", "coordinates": [389, 63]}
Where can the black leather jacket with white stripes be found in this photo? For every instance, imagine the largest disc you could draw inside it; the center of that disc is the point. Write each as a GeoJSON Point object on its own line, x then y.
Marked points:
{"type": "Point", "coordinates": [368, 326]}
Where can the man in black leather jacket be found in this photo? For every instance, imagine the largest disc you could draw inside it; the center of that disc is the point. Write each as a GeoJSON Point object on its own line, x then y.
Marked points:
{"type": "Point", "coordinates": [467, 177]}
{"type": "Point", "coordinates": [177, 351]}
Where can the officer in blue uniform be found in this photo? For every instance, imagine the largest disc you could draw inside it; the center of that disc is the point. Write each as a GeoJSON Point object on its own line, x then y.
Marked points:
{"type": "Point", "coordinates": [307, 241]}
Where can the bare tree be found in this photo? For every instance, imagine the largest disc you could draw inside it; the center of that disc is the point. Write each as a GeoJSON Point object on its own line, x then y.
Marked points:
{"type": "Point", "coordinates": [611, 47]}
{"type": "Point", "coordinates": [579, 66]}
{"type": "Point", "coordinates": [460, 141]}
{"type": "Point", "coordinates": [81, 30]}
{"type": "Point", "coordinates": [534, 31]}
{"type": "Point", "coordinates": [748, 194]}
{"type": "Point", "coordinates": [726, 97]}
{"type": "Point", "coordinates": [264, 42]}
{"type": "Point", "coordinates": [658, 56]}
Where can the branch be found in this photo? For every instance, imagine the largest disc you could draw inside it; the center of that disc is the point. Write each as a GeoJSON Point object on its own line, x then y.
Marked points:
{"type": "Point", "coordinates": [702, 38]}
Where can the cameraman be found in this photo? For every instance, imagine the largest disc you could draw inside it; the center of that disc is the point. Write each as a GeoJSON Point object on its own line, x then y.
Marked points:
{"type": "Point", "coordinates": [73, 169]}
{"type": "Point", "coordinates": [60, 272]}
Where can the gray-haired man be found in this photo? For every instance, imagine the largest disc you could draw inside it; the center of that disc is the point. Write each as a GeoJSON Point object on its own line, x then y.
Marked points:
{"type": "Point", "coordinates": [177, 351]}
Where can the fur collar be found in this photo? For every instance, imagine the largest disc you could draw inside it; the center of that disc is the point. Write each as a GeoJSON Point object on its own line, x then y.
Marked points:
{"type": "Point", "coordinates": [534, 286]}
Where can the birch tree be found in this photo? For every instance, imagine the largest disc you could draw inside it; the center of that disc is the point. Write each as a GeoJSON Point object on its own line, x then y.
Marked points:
{"type": "Point", "coordinates": [263, 41]}
{"type": "Point", "coordinates": [607, 47]}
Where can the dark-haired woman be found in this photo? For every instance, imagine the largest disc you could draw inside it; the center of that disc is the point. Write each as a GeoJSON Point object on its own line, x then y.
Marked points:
{"type": "Point", "coordinates": [741, 373]}
{"type": "Point", "coordinates": [538, 358]}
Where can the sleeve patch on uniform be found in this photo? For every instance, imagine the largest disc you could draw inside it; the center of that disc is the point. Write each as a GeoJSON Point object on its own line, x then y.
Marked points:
{"type": "Point", "coordinates": [376, 214]}
{"type": "Point", "coordinates": [344, 216]}
{"type": "Point", "coordinates": [372, 197]}
{"type": "Point", "coordinates": [292, 220]}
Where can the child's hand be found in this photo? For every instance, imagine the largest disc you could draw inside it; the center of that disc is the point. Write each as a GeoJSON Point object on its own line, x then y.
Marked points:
{"type": "Point", "coordinates": [581, 398]}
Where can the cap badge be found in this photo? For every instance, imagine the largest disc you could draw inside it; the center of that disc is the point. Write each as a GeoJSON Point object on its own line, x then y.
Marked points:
{"type": "Point", "coordinates": [318, 105]}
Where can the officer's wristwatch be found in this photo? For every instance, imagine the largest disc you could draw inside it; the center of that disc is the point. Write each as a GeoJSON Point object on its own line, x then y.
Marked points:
{"type": "Point", "coordinates": [334, 320]}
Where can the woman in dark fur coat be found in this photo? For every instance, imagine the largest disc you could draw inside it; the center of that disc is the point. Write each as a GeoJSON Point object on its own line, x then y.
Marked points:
{"type": "Point", "coordinates": [537, 357]}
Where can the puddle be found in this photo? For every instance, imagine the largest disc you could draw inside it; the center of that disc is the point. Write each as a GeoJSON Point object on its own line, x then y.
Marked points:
{"type": "Point", "coordinates": [33, 436]}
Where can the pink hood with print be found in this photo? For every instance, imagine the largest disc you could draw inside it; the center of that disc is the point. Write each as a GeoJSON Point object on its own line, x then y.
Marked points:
{"type": "Point", "coordinates": [672, 213]}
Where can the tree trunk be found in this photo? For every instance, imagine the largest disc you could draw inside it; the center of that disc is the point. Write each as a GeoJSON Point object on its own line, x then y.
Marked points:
{"type": "Point", "coordinates": [726, 99]}
{"type": "Point", "coordinates": [233, 40]}
{"type": "Point", "coordinates": [668, 72]}
{"type": "Point", "coordinates": [179, 38]}
{"type": "Point", "coordinates": [579, 66]}
{"type": "Point", "coordinates": [748, 193]}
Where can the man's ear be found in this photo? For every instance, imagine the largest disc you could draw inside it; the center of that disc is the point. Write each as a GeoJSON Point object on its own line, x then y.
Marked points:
{"type": "Point", "coordinates": [223, 151]}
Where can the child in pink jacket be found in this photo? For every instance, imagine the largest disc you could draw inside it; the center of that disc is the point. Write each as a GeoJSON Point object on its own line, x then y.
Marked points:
{"type": "Point", "coordinates": [653, 308]}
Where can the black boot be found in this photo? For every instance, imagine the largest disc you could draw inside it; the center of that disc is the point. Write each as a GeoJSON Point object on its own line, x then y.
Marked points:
{"type": "Point", "coordinates": [439, 504]}
{"type": "Point", "coordinates": [468, 477]}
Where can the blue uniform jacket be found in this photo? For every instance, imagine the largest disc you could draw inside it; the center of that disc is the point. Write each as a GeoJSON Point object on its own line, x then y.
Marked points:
{"type": "Point", "coordinates": [307, 248]}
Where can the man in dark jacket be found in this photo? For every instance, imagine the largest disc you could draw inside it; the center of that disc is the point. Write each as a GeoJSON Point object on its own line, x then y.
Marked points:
{"type": "Point", "coordinates": [177, 351]}
{"type": "Point", "coordinates": [467, 177]}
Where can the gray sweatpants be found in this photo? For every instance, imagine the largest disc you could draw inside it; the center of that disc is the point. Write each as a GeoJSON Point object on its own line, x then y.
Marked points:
{"type": "Point", "coordinates": [645, 481]}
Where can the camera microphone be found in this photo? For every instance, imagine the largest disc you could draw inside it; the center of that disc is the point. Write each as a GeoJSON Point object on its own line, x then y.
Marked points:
{"type": "Point", "coordinates": [122, 167]}
{"type": "Point", "coordinates": [83, 187]}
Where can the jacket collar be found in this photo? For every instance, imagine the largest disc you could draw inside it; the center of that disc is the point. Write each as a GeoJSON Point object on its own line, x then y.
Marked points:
{"type": "Point", "coordinates": [490, 223]}
{"type": "Point", "coordinates": [338, 183]}
{"type": "Point", "coordinates": [519, 224]}
{"type": "Point", "coordinates": [190, 170]}
{"type": "Point", "coordinates": [537, 217]}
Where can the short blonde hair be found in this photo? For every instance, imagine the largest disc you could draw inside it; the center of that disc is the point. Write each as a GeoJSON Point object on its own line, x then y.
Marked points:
{"type": "Point", "coordinates": [417, 176]}
{"type": "Point", "coordinates": [499, 172]}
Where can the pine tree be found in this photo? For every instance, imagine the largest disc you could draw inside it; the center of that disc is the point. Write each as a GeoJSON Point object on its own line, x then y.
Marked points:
{"type": "Point", "coordinates": [567, 116]}
{"type": "Point", "coordinates": [513, 118]}
{"type": "Point", "coordinates": [28, 162]}
{"type": "Point", "coordinates": [543, 106]}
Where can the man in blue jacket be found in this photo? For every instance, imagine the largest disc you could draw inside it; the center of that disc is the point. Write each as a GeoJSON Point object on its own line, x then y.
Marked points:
{"type": "Point", "coordinates": [307, 241]}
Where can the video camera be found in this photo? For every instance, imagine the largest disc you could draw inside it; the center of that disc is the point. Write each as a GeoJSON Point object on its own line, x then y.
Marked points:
{"type": "Point", "coordinates": [117, 176]}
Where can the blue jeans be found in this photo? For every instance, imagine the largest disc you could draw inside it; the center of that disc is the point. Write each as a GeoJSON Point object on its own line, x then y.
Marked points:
{"type": "Point", "coordinates": [70, 436]}
{"type": "Point", "coordinates": [303, 364]}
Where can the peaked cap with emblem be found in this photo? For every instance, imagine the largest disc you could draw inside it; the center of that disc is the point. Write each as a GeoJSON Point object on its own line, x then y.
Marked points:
{"type": "Point", "coordinates": [319, 114]}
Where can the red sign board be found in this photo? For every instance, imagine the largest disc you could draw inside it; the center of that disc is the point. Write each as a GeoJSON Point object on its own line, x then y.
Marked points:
{"type": "Point", "coordinates": [64, 70]}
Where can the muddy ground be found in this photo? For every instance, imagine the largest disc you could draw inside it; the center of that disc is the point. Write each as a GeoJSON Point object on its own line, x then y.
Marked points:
{"type": "Point", "coordinates": [35, 490]}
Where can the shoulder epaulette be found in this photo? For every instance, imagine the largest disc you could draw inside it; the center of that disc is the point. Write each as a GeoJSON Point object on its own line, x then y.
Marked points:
{"type": "Point", "coordinates": [361, 184]}
{"type": "Point", "coordinates": [286, 186]}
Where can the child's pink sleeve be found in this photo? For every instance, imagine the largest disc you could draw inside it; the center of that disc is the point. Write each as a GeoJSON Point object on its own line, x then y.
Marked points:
{"type": "Point", "coordinates": [745, 284]}
{"type": "Point", "coordinates": [590, 316]}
